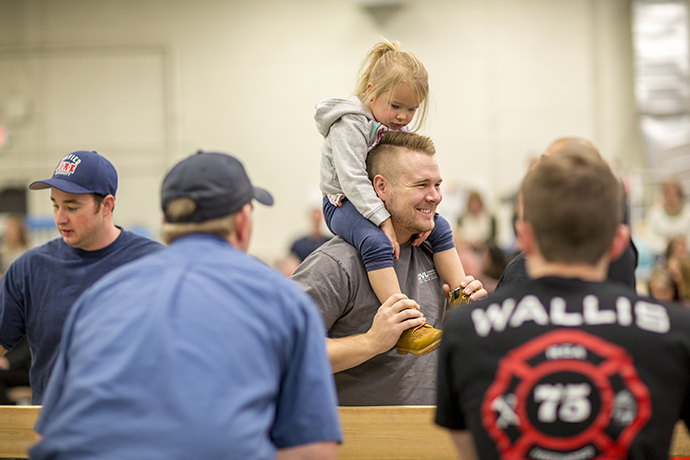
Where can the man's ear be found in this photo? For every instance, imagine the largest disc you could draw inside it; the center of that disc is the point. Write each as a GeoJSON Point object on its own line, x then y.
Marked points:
{"type": "Point", "coordinates": [381, 186]}
{"type": "Point", "coordinates": [243, 226]}
{"type": "Point", "coordinates": [525, 236]}
{"type": "Point", "coordinates": [107, 205]}
{"type": "Point", "coordinates": [620, 242]}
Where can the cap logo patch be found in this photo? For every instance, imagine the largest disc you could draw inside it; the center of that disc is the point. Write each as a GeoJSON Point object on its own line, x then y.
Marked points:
{"type": "Point", "coordinates": [68, 165]}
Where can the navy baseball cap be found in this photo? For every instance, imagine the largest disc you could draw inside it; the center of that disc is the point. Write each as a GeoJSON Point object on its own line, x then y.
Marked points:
{"type": "Point", "coordinates": [217, 183]}
{"type": "Point", "coordinates": [82, 172]}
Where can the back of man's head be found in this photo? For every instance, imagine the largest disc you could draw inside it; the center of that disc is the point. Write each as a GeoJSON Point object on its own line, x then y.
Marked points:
{"type": "Point", "coordinates": [573, 203]}
{"type": "Point", "coordinates": [382, 158]}
{"type": "Point", "coordinates": [577, 144]}
{"type": "Point", "coordinates": [203, 192]}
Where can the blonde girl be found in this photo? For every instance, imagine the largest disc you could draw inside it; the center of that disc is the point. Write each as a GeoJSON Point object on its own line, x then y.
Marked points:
{"type": "Point", "coordinates": [391, 92]}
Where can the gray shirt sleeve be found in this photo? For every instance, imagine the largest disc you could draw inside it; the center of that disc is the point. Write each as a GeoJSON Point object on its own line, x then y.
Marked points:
{"type": "Point", "coordinates": [323, 278]}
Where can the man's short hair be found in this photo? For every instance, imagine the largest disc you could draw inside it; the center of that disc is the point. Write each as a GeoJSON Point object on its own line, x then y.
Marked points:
{"type": "Point", "coordinates": [380, 158]}
{"type": "Point", "coordinates": [179, 208]}
{"type": "Point", "coordinates": [573, 203]}
{"type": "Point", "coordinates": [98, 200]}
{"type": "Point", "coordinates": [575, 143]}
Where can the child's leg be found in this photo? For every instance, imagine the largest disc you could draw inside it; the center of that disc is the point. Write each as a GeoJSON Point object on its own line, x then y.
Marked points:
{"type": "Point", "coordinates": [377, 253]}
{"type": "Point", "coordinates": [384, 282]}
{"type": "Point", "coordinates": [446, 258]}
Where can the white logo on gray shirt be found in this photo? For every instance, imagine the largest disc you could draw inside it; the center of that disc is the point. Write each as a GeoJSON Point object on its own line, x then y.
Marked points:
{"type": "Point", "coordinates": [427, 276]}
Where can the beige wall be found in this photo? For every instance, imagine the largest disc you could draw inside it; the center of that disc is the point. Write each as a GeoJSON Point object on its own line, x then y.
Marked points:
{"type": "Point", "coordinates": [146, 82]}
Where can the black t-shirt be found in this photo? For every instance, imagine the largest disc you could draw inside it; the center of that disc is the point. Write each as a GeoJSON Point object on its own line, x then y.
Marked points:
{"type": "Point", "coordinates": [562, 368]}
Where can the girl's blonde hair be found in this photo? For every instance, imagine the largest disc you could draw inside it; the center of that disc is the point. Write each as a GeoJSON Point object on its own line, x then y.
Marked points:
{"type": "Point", "coordinates": [386, 68]}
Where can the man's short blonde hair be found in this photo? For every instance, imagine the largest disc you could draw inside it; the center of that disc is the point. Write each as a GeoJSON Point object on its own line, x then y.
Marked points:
{"type": "Point", "coordinates": [384, 157]}
{"type": "Point", "coordinates": [181, 207]}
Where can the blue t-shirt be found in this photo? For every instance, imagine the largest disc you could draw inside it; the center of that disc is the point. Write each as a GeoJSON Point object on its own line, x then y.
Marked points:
{"type": "Point", "coordinates": [40, 287]}
{"type": "Point", "coordinates": [198, 351]}
{"type": "Point", "coordinates": [304, 246]}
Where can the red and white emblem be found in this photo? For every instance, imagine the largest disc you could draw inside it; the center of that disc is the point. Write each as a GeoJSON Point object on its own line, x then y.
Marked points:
{"type": "Point", "coordinates": [565, 394]}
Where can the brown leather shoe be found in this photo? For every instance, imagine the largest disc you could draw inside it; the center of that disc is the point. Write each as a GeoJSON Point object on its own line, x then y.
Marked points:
{"type": "Point", "coordinates": [419, 340]}
{"type": "Point", "coordinates": [456, 298]}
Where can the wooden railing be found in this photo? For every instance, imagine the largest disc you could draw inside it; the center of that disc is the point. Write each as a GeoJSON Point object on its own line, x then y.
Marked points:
{"type": "Point", "coordinates": [377, 432]}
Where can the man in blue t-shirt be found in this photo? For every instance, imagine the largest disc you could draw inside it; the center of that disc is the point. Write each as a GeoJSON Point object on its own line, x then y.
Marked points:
{"type": "Point", "coordinates": [39, 288]}
{"type": "Point", "coordinates": [198, 351]}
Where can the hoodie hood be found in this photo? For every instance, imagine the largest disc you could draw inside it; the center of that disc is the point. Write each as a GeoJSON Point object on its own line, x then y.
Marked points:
{"type": "Point", "coordinates": [331, 110]}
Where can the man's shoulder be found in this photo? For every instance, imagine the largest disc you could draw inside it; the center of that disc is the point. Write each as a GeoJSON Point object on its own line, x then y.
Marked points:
{"type": "Point", "coordinates": [338, 249]}
{"type": "Point", "coordinates": [334, 263]}
{"type": "Point", "coordinates": [134, 239]}
{"type": "Point", "coordinates": [553, 286]}
{"type": "Point", "coordinates": [543, 290]}
{"type": "Point", "coordinates": [176, 265]}
{"type": "Point", "coordinates": [514, 273]}
{"type": "Point", "coordinates": [54, 248]}
{"type": "Point", "coordinates": [141, 263]}
{"type": "Point", "coordinates": [345, 254]}
{"type": "Point", "coordinates": [130, 246]}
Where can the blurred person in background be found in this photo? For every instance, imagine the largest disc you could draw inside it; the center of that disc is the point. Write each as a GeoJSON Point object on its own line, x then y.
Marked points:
{"type": "Point", "coordinates": [15, 241]}
{"type": "Point", "coordinates": [677, 247]}
{"type": "Point", "coordinates": [661, 286]}
{"type": "Point", "coordinates": [15, 365]}
{"type": "Point", "coordinates": [14, 370]}
{"type": "Point", "coordinates": [678, 264]}
{"type": "Point", "coordinates": [495, 261]}
{"type": "Point", "coordinates": [301, 247]}
{"type": "Point", "coordinates": [476, 225]}
{"type": "Point", "coordinates": [486, 262]}
{"type": "Point", "coordinates": [306, 244]}
{"type": "Point", "coordinates": [669, 218]}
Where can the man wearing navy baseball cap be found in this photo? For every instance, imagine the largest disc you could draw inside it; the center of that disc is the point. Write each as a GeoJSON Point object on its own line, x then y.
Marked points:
{"type": "Point", "coordinates": [40, 287]}
{"type": "Point", "coordinates": [199, 318]}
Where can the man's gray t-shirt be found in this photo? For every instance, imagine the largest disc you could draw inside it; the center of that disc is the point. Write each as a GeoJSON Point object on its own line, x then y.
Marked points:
{"type": "Point", "coordinates": [334, 276]}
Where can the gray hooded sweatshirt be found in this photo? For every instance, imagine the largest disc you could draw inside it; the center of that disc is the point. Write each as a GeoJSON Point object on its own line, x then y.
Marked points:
{"type": "Point", "coordinates": [350, 132]}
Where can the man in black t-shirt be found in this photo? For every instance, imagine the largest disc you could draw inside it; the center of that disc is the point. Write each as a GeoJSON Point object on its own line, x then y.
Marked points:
{"type": "Point", "coordinates": [566, 365]}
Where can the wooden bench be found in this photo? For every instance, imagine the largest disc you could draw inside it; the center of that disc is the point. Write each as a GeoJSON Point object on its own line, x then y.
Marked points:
{"type": "Point", "coordinates": [409, 432]}
{"type": "Point", "coordinates": [393, 432]}
{"type": "Point", "coordinates": [16, 430]}
{"type": "Point", "coordinates": [379, 432]}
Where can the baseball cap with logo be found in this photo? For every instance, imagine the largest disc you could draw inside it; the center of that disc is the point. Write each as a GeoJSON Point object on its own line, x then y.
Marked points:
{"type": "Point", "coordinates": [216, 182]}
{"type": "Point", "coordinates": [82, 172]}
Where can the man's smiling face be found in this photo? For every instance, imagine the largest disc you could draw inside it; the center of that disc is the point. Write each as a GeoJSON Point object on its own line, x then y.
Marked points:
{"type": "Point", "coordinates": [415, 193]}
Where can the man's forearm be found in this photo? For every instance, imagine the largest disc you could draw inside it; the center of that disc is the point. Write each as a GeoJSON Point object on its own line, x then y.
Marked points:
{"type": "Point", "coordinates": [347, 352]}
{"type": "Point", "coordinates": [392, 318]}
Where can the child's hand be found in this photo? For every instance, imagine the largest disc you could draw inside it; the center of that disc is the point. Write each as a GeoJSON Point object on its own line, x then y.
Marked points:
{"type": "Point", "coordinates": [420, 238]}
{"type": "Point", "coordinates": [387, 228]}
